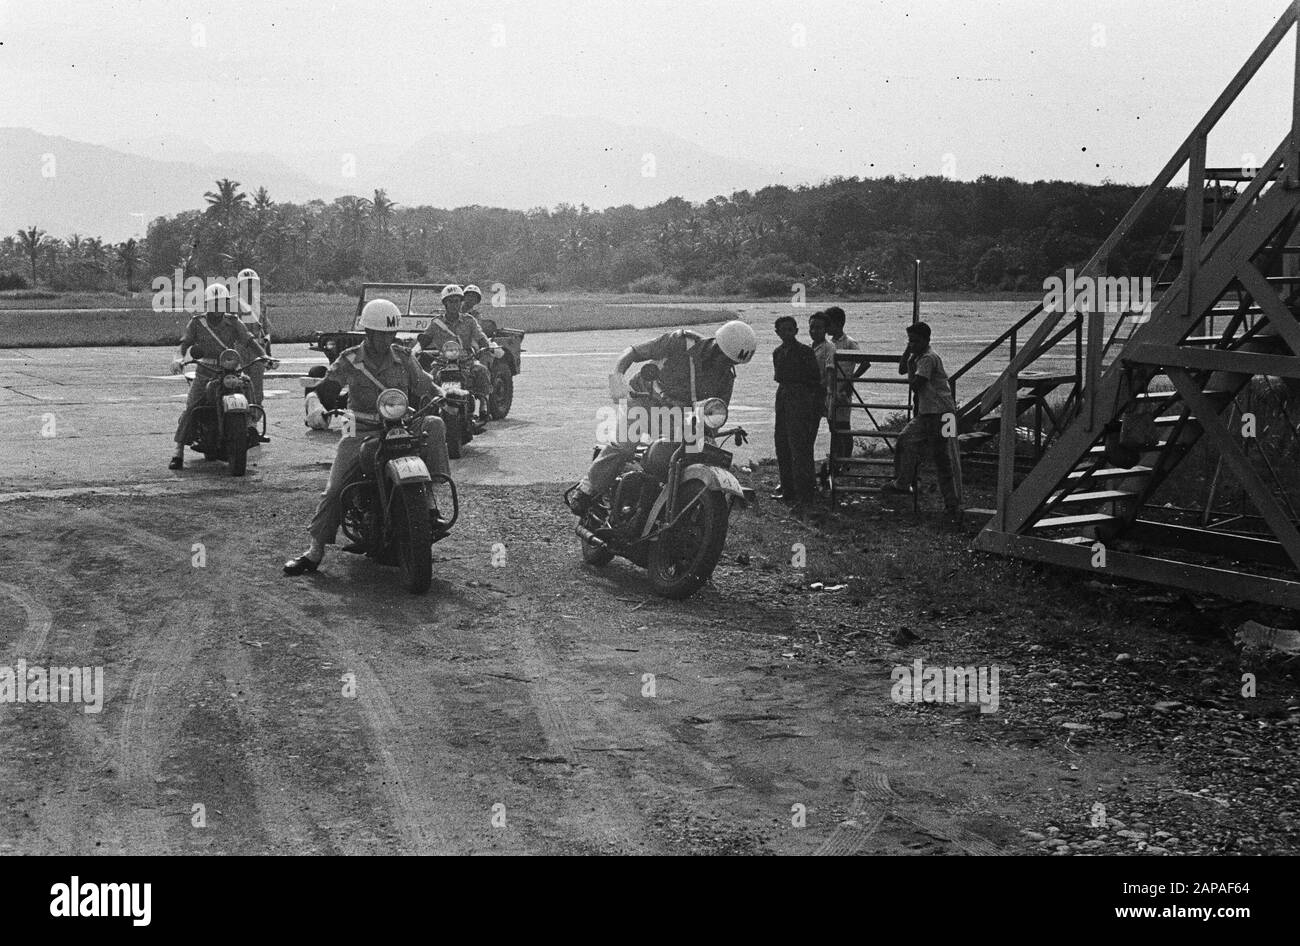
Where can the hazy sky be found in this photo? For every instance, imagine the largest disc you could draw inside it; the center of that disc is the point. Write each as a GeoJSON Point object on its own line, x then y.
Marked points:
{"type": "Point", "coordinates": [1018, 87]}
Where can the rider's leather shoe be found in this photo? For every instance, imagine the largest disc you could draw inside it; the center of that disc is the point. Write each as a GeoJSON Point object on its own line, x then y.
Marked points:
{"type": "Point", "coordinates": [178, 463]}
{"type": "Point", "coordinates": [296, 566]}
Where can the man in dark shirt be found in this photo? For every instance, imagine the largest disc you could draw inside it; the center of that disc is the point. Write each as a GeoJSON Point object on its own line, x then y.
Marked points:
{"type": "Point", "coordinates": [800, 393]}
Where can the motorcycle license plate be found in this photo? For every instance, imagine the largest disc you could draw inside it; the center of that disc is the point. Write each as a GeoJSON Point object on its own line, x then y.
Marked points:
{"type": "Point", "coordinates": [409, 470]}
{"type": "Point", "coordinates": [235, 402]}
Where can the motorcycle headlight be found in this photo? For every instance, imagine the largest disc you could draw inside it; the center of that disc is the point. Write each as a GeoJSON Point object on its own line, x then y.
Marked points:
{"type": "Point", "coordinates": [232, 380]}
{"type": "Point", "coordinates": [229, 359]}
{"type": "Point", "coordinates": [391, 403]}
{"type": "Point", "coordinates": [451, 350]}
{"type": "Point", "coordinates": [714, 412]}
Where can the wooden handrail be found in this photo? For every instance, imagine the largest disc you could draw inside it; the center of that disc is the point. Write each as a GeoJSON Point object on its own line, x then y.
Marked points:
{"type": "Point", "coordinates": [1032, 347]}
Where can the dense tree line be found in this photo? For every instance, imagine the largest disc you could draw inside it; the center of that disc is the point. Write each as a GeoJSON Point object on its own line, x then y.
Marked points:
{"type": "Point", "coordinates": [844, 236]}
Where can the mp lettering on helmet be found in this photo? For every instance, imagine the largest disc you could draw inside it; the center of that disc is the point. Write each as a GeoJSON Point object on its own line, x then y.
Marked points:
{"type": "Point", "coordinates": [392, 320]}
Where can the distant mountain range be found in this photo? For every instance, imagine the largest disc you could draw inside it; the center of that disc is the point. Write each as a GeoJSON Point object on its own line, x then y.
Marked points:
{"type": "Point", "coordinates": [65, 186]}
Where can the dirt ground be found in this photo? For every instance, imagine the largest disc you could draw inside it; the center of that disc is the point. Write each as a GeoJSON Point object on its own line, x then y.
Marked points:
{"type": "Point", "coordinates": [530, 704]}
{"type": "Point", "coordinates": [767, 726]}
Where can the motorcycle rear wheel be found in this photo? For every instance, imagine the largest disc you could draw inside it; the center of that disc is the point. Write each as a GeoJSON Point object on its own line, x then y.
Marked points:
{"type": "Point", "coordinates": [682, 560]}
{"type": "Point", "coordinates": [414, 539]}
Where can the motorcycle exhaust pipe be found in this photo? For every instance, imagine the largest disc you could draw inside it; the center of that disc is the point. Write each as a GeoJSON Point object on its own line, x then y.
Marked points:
{"type": "Point", "coordinates": [588, 536]}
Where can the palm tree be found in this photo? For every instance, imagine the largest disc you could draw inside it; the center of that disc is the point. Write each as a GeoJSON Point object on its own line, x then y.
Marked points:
{"type": "Point", "coordinates": [128, 256]}
{"type": "Point", "coordinates": [96, 254]}
{"type": "Point", "coordinates": [227, 202]}
{"type": "Point", "coordinates": [32, 241]}
{"type": "Point", "coordinates": [262, 207]}
{"type": "Point", "coordinates": [381, 210]}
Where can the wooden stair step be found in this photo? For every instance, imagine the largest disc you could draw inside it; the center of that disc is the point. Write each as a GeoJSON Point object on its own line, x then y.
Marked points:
{"type": "Point", "coordinates": [1158, 445]}
{"type": "Point", "coordinates": [1083, 519]}
{"type": "Point", "coordinates": [1110, 473]}
{"type": "Point", "coordinates": [1096, 496]}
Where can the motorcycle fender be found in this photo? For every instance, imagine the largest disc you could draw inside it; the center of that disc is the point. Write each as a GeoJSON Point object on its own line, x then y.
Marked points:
{"type": "Point", "coordinates": [711, 476]}
{"type": "Point", "coordinates": [404, 470]}
{"type": "Point", "coordinates": [715, 477]}
{"type": "Point", "coordinates": [234, 402]}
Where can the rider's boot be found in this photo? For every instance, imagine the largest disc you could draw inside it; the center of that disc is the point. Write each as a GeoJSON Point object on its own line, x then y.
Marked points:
{"type": "Point", "coordinates": [580, 502]}
{"type": "Point", "coordinates": [308, 561]}
{"type": "Point", "coordinates": [178, 459]}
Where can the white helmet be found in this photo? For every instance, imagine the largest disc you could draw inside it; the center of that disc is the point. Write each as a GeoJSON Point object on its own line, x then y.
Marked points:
{"type": "Point", "coordinates": [450, 291]}
{"type": "Point", "coordinates": [474, 289]}
{"type": "Point", "coordinates": [737, 341]}
{"type": "Point", "coordinates": [248, 285]}
{"type": "Point", "coordinates": [216, 298]}
{"type": "Point", "coordinates": [381, 315]}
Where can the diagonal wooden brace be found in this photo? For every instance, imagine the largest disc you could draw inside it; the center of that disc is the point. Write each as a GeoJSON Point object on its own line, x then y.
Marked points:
{"type": "Point", "coordinates": [1279, 316]}
{"type": "Point", "coordinates": [1208, 417]}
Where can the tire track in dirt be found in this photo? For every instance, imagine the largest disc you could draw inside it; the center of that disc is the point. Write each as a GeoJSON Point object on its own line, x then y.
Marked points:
{"type": "Point", "coordinates": [31, 640]}
{"type": "Point", "coordinates": [420, 814]}
{"type": "Point", "coordinates": [870, 806]}
{"type": "Point", "coordinates": [609, 814]}
{"type": "Point", "coordinates": [143, 734]}
{"type": "Point", "coordinates": [161, 666]}
{"type": "Point", "coordinates": [874, 802]}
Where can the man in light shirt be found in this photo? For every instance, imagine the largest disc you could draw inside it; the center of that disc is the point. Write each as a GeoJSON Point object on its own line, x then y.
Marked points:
{"type": "Point", "coordinates": [933, 430]}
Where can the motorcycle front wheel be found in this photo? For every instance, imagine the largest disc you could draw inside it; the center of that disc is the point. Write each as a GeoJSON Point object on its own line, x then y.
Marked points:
{"type": "Point", "coordinates": [237, 445]}
{"type": "Point", "coordinates": [683, 559]}
{"type": "Point", "coordinates": [503, 394]}
{"type": "Point", "coordinates": [454, 439]}
{"type": "Point", "coordinates": [414, 539]}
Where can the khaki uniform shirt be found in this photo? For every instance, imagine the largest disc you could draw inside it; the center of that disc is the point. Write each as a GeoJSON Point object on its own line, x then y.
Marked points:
{"type": "Point", "coordinates": [230, 333]}
{"type": "Point", "coordinates": [466, 331]}
{"type": "Point", "coordinates": [358, 374]}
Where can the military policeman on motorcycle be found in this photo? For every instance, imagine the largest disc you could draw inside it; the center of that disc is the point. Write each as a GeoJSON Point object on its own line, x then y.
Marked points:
{"type": "Point", "coordinates": [465, 330]}
{"type": "Point", "coordinates": [365, 370]}
{"type": "Point", "coordinates": [248, 292]}
{"type": "Point", "coordinates": [692, 370]}
{"type": "Point", "coordinates": [205, 338]}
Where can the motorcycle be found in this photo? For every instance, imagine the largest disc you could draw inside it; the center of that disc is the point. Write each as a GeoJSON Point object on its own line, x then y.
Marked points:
{"type": "Point", "coordinates": [461, 409]}
{"type": "Point", "coordinates": [220, 424]}
{"type": "Point", "coordinates": [386, 510]}
{"type": "Point", "coordinates": [668, 509]}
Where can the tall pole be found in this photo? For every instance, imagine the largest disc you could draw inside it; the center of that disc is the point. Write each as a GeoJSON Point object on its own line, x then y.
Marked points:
{"type": "Point", "coordinates": [916, 291]}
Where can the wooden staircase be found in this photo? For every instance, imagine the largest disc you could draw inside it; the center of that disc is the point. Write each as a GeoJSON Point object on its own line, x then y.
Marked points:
{"type": "Point", "coordinates": [1150, 391]}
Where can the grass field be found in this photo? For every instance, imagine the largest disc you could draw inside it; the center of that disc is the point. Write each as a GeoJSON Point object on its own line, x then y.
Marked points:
{"type": "Point", "coordinates": [75, 319]}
